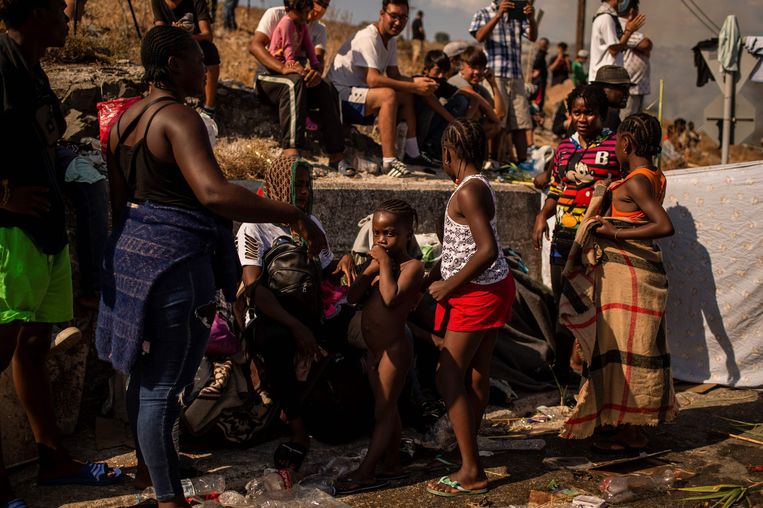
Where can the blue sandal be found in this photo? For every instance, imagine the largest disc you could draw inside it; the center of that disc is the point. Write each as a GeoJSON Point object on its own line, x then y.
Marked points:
{"type": "Point", "coordinates": [16, 503]}
{"type": "Point", "coordinates": [89, 474]}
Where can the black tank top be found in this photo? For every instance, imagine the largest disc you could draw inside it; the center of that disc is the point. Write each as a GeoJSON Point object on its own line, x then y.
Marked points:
{"type": "Point", "coordinates": [148, 178]}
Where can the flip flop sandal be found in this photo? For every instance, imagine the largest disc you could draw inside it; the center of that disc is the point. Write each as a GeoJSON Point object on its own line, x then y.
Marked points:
{"type": "Point", "coordinates": [373, 484]}
{"type": "Point", "coordinates": [89, 474]}
{"type": "Point", "coordinates": [16, 503]}
{"type": "Point", "coordinates": [461, 491]}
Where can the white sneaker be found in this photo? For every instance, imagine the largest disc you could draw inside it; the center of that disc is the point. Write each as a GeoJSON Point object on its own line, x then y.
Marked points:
{"type": "Point", "coordinates": [397, 169]}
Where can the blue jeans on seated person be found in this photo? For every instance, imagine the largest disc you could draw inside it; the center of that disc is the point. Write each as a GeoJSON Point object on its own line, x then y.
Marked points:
{"type": "Point", "coordinates": [179, 312]}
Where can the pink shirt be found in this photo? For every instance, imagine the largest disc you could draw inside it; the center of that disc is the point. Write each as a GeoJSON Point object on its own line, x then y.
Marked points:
{"type": "Point", "coordinates": [288, 38]}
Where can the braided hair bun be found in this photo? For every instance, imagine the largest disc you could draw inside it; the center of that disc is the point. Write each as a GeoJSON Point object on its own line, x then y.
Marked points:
{"type": "Point", "coordinates": [646, 133]}
{"type": "Point", "coordinates": [158, 45]}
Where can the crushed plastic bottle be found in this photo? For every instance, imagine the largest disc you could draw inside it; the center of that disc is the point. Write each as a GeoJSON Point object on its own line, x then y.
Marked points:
{"type": "Point", "coordinates": [272, 480]}
{"type": "Point", "coordinates": [232, 499]}
{"type": "Point", "coordinates": [621, 489]}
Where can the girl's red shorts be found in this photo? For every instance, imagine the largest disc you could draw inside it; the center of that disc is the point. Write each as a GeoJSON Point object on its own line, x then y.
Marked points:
{"type": "Point", "coordinates": [475, 307]}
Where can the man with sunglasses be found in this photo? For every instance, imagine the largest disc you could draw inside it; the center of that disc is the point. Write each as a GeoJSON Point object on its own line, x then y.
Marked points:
{"type": "Point", "coordinates": [299, 90]}
{"type": "Point", "coordinates": [370, 84]}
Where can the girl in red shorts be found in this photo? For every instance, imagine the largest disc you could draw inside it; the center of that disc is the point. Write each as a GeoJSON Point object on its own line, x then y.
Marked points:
{"type": "Point", "coordinates": [474, 291]}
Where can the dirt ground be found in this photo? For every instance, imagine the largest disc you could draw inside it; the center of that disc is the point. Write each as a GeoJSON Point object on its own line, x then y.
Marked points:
{"type": "Point", "coordinates": [696, 439]}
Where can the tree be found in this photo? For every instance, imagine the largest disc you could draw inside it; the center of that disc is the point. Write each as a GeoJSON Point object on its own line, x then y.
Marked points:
{"type": "Point", "coordinates": [442, 38]}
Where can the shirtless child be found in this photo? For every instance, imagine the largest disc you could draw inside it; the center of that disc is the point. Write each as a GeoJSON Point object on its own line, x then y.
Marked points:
{"type": "Point", "coordinates": [388, 289]}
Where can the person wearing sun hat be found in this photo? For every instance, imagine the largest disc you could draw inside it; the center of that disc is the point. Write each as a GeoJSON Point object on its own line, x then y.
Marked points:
{"type": "Point", "coordinates": [616, 83]}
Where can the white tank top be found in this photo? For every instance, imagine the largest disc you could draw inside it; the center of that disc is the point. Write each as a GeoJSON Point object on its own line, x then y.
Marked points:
{"type": "Point", "coordinates": [459, 246]}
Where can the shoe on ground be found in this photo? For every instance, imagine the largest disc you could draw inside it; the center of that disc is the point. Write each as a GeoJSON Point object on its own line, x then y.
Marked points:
{"type": "Point", "coordinates": [397, 169]}
{"type": "Point", "coordinates": [422, 160]}
{"type": "Point", "coordinates": [527, 166]}
{"type": "Point", "coordinates": [344, 168]}
{"type": "Point", "coordinates": [66, 339]}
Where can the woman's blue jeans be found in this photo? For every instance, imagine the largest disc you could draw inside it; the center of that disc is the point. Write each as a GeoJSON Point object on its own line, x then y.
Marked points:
{"type": "Point", "coordinates": [179, 311]}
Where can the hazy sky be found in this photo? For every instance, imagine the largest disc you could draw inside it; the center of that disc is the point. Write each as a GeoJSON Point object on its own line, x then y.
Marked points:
{"type": "Point", "coordinates": [670, 25]}
{"type": "Point", "coordinates": [669, 22]}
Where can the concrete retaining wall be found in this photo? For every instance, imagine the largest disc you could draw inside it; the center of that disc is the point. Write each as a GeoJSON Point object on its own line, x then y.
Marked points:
{"type": "Point", "coordinates": [340, 205]}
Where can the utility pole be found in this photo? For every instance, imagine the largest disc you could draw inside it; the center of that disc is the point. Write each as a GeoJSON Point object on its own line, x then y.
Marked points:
{"type": "Point", "coordinates": [580, 35]}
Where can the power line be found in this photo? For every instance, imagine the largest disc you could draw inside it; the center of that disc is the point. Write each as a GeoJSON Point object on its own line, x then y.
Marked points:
{"type": "Point", "coordinates": [708, 18]}
{"type": "Point", "coordinates": [713, 30]}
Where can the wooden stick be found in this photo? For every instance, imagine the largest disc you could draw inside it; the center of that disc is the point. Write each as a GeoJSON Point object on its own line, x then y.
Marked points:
{"type": "Point", "coordinates": [748, 439]}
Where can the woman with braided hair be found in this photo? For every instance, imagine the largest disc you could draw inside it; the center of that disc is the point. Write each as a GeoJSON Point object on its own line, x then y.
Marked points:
{"type": "Point", "coordinates": [618, 317]}
{"type": "Point", "coordinates": [474, 291]}
{"type": "Point", "coordinates": [171, 248]}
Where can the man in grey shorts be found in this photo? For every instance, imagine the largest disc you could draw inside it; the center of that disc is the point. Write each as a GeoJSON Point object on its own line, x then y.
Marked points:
{"type": "Point", "coordinates": [501, 31]}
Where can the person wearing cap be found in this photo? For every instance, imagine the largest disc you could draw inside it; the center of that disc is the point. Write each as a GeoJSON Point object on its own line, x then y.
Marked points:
{"type": "Point", "coordinates": [498, 27]}
{"type": "Point", "coordinates": [636, 62]}
{"type": "Point", "coordinates": [454, 50]}
{"type": "Point", "coordinates": [579, 75]}
{"type": "Point", "coordinates": [616, 84]}
{"type": "Point", "coordinates": [608, 38]}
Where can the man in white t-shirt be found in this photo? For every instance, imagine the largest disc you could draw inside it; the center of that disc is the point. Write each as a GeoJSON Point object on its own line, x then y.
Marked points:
{"type": "Point", "coordinates": [369, 82]}
{"type": "Point", "coordinates": [300, 89]}
{"type": "Point", "coordinates": [636, 62]}
{"type": "Point", "coordinates": [608, 39]}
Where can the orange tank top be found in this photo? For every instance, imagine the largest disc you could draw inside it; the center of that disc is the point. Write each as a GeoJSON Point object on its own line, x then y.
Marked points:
{"type": "Point", "coordinates": [656, 178]}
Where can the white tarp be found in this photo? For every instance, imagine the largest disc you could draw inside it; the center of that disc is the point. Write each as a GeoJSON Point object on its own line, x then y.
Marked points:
{"type": "Point", "coordinates": [715, 272]}
{"type": "Point", "coordinates": [714, 264]}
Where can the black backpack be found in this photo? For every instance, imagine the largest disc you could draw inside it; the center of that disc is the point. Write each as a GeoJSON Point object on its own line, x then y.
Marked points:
{"type": "Point", "coordinates": [295, 280]}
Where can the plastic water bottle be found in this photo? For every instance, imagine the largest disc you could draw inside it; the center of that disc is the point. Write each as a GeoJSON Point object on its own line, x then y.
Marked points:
{"type": "Point", "coordinates": [194, 487]}
{"type": "Point", "coordinates": [400, 137]}
{"type": "Point", "coordinates": [621, 489]}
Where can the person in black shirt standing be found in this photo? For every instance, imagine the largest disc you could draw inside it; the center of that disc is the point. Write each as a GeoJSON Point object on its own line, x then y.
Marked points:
{"type": "Point", "coordinates": [417, 38]}
{"type": "Point", "coordinates": [35, 271]}
{"type": "Point", "coordinates": [540, 72]}
{"type": "Point", "coordinates": [194, 16]}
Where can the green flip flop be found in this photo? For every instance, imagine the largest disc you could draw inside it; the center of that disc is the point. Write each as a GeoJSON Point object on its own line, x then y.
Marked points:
{"type": "Point", "coordinates": [461, 491]}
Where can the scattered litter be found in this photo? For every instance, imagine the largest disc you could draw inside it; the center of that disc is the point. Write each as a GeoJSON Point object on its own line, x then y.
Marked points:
{"type": "Point", "coordinates": [724, 495]}
{"type": "Point", "coordinates": [498, 472]}
{"type": "Point", "coordinates": [589, 502]}
{"type": "Point", "coordinates": [573, 463]}
{"type": "Point", "coordinates": [492, 444]}
{"type": "Point", "coordinates": [621, 489]}
{"type": "Point", "coordinates": [755, 469]}
{"type": "Point", "coordinates": [481, 503]}
{"type": "Point", "coordinates": [486, 453]}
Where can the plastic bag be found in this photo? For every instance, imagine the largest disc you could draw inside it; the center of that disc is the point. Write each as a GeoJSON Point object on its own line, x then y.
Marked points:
{"type": "Point", "coordinates": [108, 114]}
{"type": "Point", "coordinates": [222, 341]}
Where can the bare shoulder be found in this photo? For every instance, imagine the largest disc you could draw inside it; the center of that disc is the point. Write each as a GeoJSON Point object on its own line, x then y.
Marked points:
{"type": "Point", "coordinates": [412, 266]}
